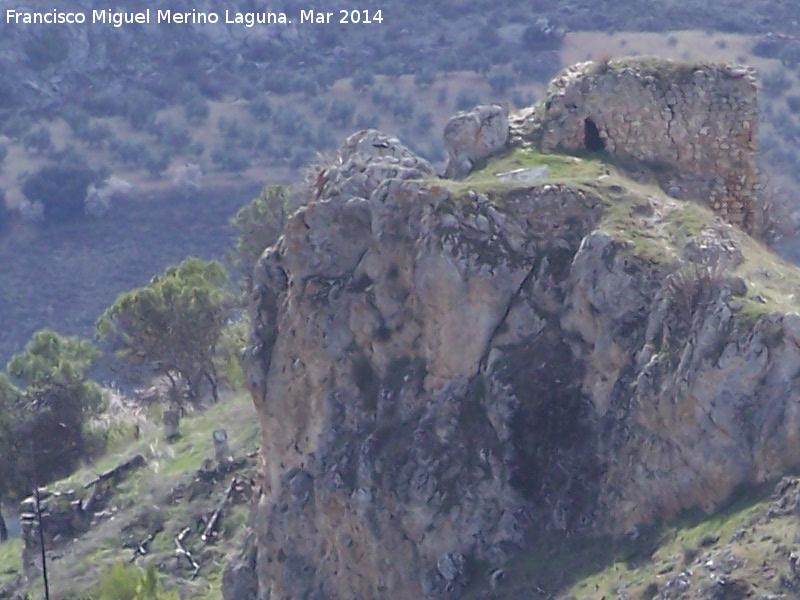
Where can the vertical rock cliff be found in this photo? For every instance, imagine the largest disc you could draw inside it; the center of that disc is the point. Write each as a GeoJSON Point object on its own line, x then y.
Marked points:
{"type": "Point", "coordinates": [446, 370]}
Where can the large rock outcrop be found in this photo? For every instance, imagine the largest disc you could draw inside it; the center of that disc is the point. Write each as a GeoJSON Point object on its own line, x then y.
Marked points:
{"type": "Point", "coordinates": [442, 374]}
{"type": "Point", "coordinates": [473, 136]}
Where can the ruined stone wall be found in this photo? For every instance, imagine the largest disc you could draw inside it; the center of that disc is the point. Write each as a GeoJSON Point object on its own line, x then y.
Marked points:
{"type": "Point", "coordinates": [695, 123]}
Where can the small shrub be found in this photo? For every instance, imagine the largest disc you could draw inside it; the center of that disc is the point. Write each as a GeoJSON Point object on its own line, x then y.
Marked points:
{"type": "Point", "coordinates": [480, 63]}
{"type": "Point", "coordinates": [543, 36]}
{"type": "Point", "coordinates": [60, 188]}
{"type": "Point", "coordinates": [264, 141]}
{"type": "Point", "coordinates": [790, 54]}
{"type": "Point", "coordinates": [5, 212]}
{"type": "Point", "coordinates": [128, 582]}
{"type": "Point", "coordinates": [76, 117]}
{"type": "Point", "coordinates": [157, 163]}
{"type": "Point", "coordinates": [684, 292]}
{"type": "Point", "coordinates": [140, 107]}
{"type": "Point", "coordinates": [230, 158]}
{"type": "Point", "coordinates": [380, 96]}
{"type": "Point", "coordinates": [50, 47]}
{"type": "Point", "coordinates": [95, 134]}
{"type": "Point", "coordinates": [287, 120]}
{"type": "Point", "coordinates": [708, 540]}
{"type": "Point", "coordinates": [441, 96]}
{"type": "Point", "coordinates": [362, 79]}
{"type": "Point", "coordinates": [260, 107]}
{"type": "Point", "coordinates": [767, 47]}
{"type": "Point", "coordinates": [173, 136]}
{"type": "Point", "coordinates": [196, 110]}
{"type": "Point", "coordinates": [305, 85]}
{"type": "Point", "coordinates": [229, 353]}
{"type": "Point", "coordinates": [393, 66]}
{"type": "Point", "coordinates": [775, 83]}
{"type": "Point", "coordinates": [541, 67]}
{"type": "Point", "coordinates": [37, 140]}
{"type": "Point", "coordinates": [247, 139]}
{"type": "Point", "coordinates": [231, 129]}
{"type": "Point", "coordinates": [17, 127]}
{"type": "Point", "coordinates": [425, 77]}
{"type": "Point", "coordinates": [130, 152]}
{"type": "Point", "coordinates": [650, 591]}
{"type": "Point", "coordinates": [320, 104]}
{"type": "Point", "coordinates": [689, 554]}
{"type": "Point", "coordinates": [424, 123]}
{"type": "Point", "coordinates": [521, 100]}
{"type": "Point", "coordinates": [196, 148]}
{"type": "Point", "coordinates": [501, 80]}
{"type": "Point", "coordinates": [402, 107]}
{"type": "Point", "coordinates": [341, 112]}
{"type": "Point", "coordinates": [467, 99]}
{"type": "Point", "coordinates": [325, 139]}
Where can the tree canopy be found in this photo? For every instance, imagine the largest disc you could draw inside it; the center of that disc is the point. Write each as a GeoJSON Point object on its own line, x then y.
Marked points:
{"type": "Point", "coordinates": [44, 402]}
{"type": "Point", "coordinates": [172, 325]}
{"type": "Point", "coordinates": [259, 224]}
{"type": "Point", "coordinates": [61, 188]}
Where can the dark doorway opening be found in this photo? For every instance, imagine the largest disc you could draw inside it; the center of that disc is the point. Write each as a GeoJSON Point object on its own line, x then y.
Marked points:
{"type": "Point", "coordinates": [591, 137]}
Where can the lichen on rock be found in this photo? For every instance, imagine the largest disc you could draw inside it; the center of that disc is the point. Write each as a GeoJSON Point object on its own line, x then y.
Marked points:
{"type": "Point", "coordinates": [697, 122]}
{"type": "Point", "coordinates": [444, 375]}
{"type": "Point", "coordinates": [473, 136]}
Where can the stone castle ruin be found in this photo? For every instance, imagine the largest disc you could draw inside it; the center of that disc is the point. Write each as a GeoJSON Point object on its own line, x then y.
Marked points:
{"type": "Point", "coordinates": [694, 125]}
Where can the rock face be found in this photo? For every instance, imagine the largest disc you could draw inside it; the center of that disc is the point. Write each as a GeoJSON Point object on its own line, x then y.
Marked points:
{"type": "Point", "coordinates": [471, 137]}
{"type": "Point", "coordinates": [444, 375]}
{"type": "Point", "coordinates": [697, 121]}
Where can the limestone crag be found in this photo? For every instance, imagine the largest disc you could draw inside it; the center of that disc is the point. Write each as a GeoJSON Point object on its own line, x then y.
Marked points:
{"type": "Point", "coordinates": [697, 122]}
{"type": "Point", "coordinates": [443, 375]}
{"type": "Point", "coordinates": [472, 136]}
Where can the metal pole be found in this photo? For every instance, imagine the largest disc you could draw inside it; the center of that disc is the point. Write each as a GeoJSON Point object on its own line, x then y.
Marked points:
{"type": "Point", "coordinates": [39, 521]}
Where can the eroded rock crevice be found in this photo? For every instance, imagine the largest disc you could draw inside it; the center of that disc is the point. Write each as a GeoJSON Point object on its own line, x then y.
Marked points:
{"type": "Point", "coordinates": [445, 374]}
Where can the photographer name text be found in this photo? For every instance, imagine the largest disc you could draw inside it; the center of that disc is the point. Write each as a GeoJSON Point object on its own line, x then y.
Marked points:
{"type": "Point", "coordinates": [193, 17]}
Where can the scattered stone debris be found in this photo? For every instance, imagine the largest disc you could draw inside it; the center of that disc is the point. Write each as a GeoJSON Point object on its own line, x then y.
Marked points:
{"type": "Point", "coordinates": [785, 499]}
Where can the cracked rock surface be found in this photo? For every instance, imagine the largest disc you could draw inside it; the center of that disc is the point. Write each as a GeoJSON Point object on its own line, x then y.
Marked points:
{"type": "Point", "coordinates": [694, 123]}
{"type": "Point", "coordinates": [442, 375]}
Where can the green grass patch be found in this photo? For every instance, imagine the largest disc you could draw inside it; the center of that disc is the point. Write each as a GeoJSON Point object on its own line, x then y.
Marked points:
{"type": "Point", "coordinates": [10, 561]}
{"type": "Point", "coordinates": [236, 414]}
{"type": "Point", "coordinates": [773, 285]}
{"type": "Point", "coordinates": [561, 168]}
{"type": "Point", "coordinates": [686, 222]}
{"type": "Point", "coordinates": [145, 492]}
{"type": "Point", "coordinates": [596, 567]}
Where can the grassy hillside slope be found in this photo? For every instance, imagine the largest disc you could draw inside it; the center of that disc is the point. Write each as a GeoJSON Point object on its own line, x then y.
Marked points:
{"type": "Point", "coordinates": [165, 496]}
